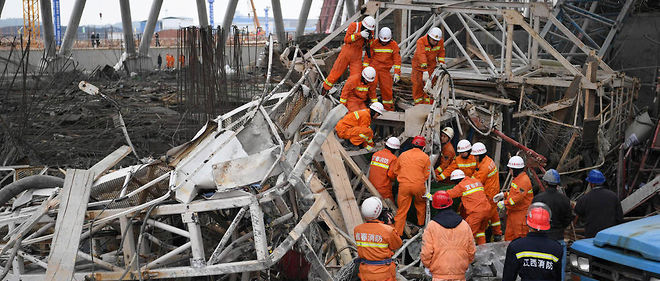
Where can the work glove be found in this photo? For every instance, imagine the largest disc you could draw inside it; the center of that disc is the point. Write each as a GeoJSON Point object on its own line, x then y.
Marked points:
{"type": "Point", "coordinates": [364, 34]}
{"type": "Point", "coordinates": [425, 76]}
{"type": "Point", "coordinates": [396, 78]}
{"type": "Point", "coordinates": [498, 197]}
{"type": "Point", "coordinates": [500, 205]}
{"type": "Point", "coordinates": [442, 65]}
{"type": "Point", "coordinates": [428, 272]}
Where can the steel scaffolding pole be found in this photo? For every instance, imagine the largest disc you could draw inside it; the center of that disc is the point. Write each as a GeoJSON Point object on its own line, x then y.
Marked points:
{"type": "Point", "coordinates": [350, 8]}
{"type": "Point", "coordinates": [127, 25]}
{"type": "Point", "coordinates": [145, 43]}
{"type": "Point", "coordinates": [279, 23]}
{"type": "Point", "coordinates": [2, 5]}
{"type": "Point", "coordinates": [302, 19]}
{"type": "Point", "coordinates": [201, 13]}
{"type": "Point", "coordinates": [48, 28]}
{"type": "Point", "coordinates": [72, 28]}
{"type": "Point", "coordinates": [229, 18]}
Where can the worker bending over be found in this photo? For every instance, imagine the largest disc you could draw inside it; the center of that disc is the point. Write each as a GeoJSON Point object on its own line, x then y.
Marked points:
{"type": "Point", "coordinates": [464, 161]}
{"type": "Point", "coordinates": [350, 56]}
{"type": "Point", "coordinates": [376, 242]}
{"type": "Point", "coordinates": [384, 54]}
{"type": "Point", "coordinates": [447, 243]}
{"type": "Point", "coordinates": [355, 126]}
{"type": "Point", "coordinates": [516, 200]}
{"type": "Point", "coordinates": [535, 257]}
{"type": "Point", "coordinates": [473, 198]}
{"type": "Point", "coordinates": [486, 173]}
{"type": "Point", "coordinates": [358, 89]}
{"type": "Point", "coordinates": [412, 169]}
{"type": "Point", "coordinates": [447, 152]}
{"type": "Point", "coordinates": [380, 165]}
{"type": "Point", "coordinates": [430, 51]}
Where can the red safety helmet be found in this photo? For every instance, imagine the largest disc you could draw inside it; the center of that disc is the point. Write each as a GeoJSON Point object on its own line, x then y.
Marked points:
{"type": "Point", "coordinates": [538, 216]}
{"type": "Point", "coordinates": [441, 200]}
{"type": "Point", "coordinates": [419, 141]}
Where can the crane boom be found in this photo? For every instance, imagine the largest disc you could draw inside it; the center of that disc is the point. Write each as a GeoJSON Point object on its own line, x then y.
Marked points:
{"type": "Point", "coordinates": [256, 19]}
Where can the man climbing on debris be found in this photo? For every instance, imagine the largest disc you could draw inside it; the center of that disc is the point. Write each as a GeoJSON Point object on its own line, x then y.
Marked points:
{"type": "Point", "coordinates": [464, 161]}
{"type": "Point", "coordinates": [486, 173]}
{"type": "Point", "coordinates": [430, 51]}
{"type": "Point", "coordinates": [447, 152]}
{"type": "Point", "coordinates": [516, 200]}
{"type": "Point", "coordinates": [600, 208]}
{"type": "Point", "coordinates": [358, 89]}
{"type": "Point", "coordinates": [560, 207]}
{"type": "Point", "coordinates": [376, 242]}
{"type": "Point", "coordinates": [535, 257]}
{"type": "Point", "coordinates": [358, 34]}
{"type": "Point", "coordinates": [411, 170]}
{"type": "Point", "coordinates": [384, 55]}
{"type": "Point", "coordinates": [380, 165]}
{"type": "Point", "coordinates": [447, 243]}
{"type": "Point", "coordinates": [355, 126]}
{"type": "Point", "coordinates": [473, 198]}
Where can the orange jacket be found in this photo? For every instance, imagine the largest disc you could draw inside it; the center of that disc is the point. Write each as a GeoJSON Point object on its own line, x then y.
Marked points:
{"type": "Point", "coordinates": [446, 157]}
{"type": "Point", "coordinates": [467, 165]}
{"type": "Point", "coordinates": [376, 241]}
{"type": "Point", "coordinates": [447, 252]}
{"type": "Point", "coordinates": [360, 118]}
{"type": "Point", "coordinates": [426, 56]}
{"type": "Point", "coordinates": [353, 40]}
{"type": "Point", "coordinates": [412, 167]}
{"type": "Point", "coordinates": [520, 194]}
{"type": "Point", "coordinates": [355, 90]}
{"type": "Point", "coordinates": [472, 195]}
{"type": "Point", "coordinates": [486, 173]}
{"type": "Point", "coordinates": [383, 57]}
{"type": "Point", "coordinates": [381, 162]}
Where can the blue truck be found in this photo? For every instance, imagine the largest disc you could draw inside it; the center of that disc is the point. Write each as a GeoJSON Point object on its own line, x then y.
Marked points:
{"type": "Point", "coordinates": [629, 251]}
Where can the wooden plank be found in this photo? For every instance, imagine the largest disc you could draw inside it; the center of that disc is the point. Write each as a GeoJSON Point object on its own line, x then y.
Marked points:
{"type": "Point", "coordinates": [571, 92]}
{"type": "Point", "coordinates": [548, 108]}
{"type": "Point", "coordinates": [487, 98]}
{"type": "Point", "coordinates": [109, 161]}
{"type": "Point", "coordinates": [566, 151]}
{"type": "Point", "coordinates": [641, 195]}
{"type": "Point", "coordinates": [342, 185]}
{"type": "Point", "coordinates": [69, 224]}
{"type": "Point", "coordinates": [590, 95]}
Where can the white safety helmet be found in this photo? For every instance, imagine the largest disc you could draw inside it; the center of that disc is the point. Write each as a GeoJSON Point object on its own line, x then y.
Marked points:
{"type": "Point", "coordinates": [385, 34]}
{"type": "Point", "coordinates": [369, 22]}
{"type": "Point", "coordinates": [457, 175]}
{"type": "Point", "coordinates": [369, 74]}
{"type": "Point", "coordinates": [449, 132]}
{"type": "Point", "coordinates": [435, 33]}
{"type": "Point", "coordinates": [478, 149]}
{"type": "Point", "coordinates": [393, 143]}
{"type": "Point", "coordinates": [463, 146]}
{"type": "Point", "coordinates": [371, 208]}
{"type": "Point", "coordinates": [516, 162]}
{"type": "Point", "coordinates": [378, 107]}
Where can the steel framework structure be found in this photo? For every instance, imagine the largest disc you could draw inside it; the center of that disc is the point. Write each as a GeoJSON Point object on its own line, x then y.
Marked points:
{"type": "Point", "coordinates": [31, 28]}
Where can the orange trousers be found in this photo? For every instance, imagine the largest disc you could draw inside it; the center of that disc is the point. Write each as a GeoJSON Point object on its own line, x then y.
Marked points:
{"type": "Point", "coordinates": [386, 192]}
{"type": "Point", "coordinates": [357, 135]}
{"type": "Point", "coordinates": [494, 220]}
{"type": "Point", "coordinates": [348, 57]}
{"type": "Point", "coordinates": [516, 225]}
{"type": "Point", "coordinates": [377, 272]}
{"type": "Point", "coordinates": [419, 96]}
{"type": "Point", "coordinates": [385, 83]}
{"type": "Point", "coordinates": [404, 199]}
{"type": "Point", "coordinates": [478, 222]}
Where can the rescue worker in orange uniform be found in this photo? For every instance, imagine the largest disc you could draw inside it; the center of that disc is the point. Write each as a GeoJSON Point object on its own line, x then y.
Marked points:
{"type": "Point", "coordinates": [355, 126]}
{"type": "Point", "coordinates": [516, 201]}
{"type": "Point", "coordinates": [430, 51]}
{"type": "Point", "coordinates": [447, 152]}
{"type": "Point", "coordinates": [380, 165]}
{"type": "Point", "coordinates": [464, 161]}
{"type": "Point", "coordinates": [359, 89]}
{"type": "Point", "coordinates": [182, 61]}
{"type": "Point", "coordinates": [376, 242]}
{"type": "Point", "coordinates": [487, 174]}
{"type": "Point", "coordinates": [473, 198]}
{"type": "Point", "coordinates": [412, 169]}
{"type": "Point", "coordinates": [447, 243]}
{"type": "Point", "coordinates": [350, 56]}
{"type": "Point", "coordinates": [384, 55]}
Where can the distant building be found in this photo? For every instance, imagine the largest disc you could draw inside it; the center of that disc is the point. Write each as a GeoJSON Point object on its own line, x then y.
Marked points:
{"type": "Point", "coordinates": [173, 23]}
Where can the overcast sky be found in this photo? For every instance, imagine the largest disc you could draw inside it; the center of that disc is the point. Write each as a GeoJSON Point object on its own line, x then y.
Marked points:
{"type": "Point", "coordinates": [180, 8]}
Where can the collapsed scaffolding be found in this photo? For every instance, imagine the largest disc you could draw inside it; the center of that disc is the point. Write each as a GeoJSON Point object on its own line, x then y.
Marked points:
{"type": "Point", "coordinates": [270, 176]}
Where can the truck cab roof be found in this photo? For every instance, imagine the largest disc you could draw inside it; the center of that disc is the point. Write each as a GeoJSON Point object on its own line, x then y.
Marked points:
{"type": "Point", "coordinates": [641, 236]}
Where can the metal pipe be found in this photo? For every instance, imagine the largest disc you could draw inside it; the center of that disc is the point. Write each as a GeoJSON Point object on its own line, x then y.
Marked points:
{"type": "Point", "coordinates": [335, 17]}
{"type": "Point", "coordinates": [225, 237]}
{"type": "Point", "coordinates": [72, 28]}
{"type": "Point", "coordinates": [279, 24]}
{"type": "Point", "coordinates": [167, 256]}
{"type": "Point", "coordinates": [48, 28]}
{"type": "Point", "coordinates": [29, 257]}
{"type": "Point", "coordinates": [350, 8]}
{"type": "Point", "coordinates": [156, 5]}
{"type": "Point", "coordinates": [302, 18]}
{"type": "Point", "coordinates": [2, 5]}
{"type": "Point", "coordinates": [229, 18]}
{"type": "Point", "coordinates": [201, 14]}
{"type": "Point", "coordinates": [169, 228]}
{"type": "Point", "coordinates": [127, 25]}
{"type": "Point", "coordinates": [99, 262]}
{"type": "Point", "coordinates": [540, 158]}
